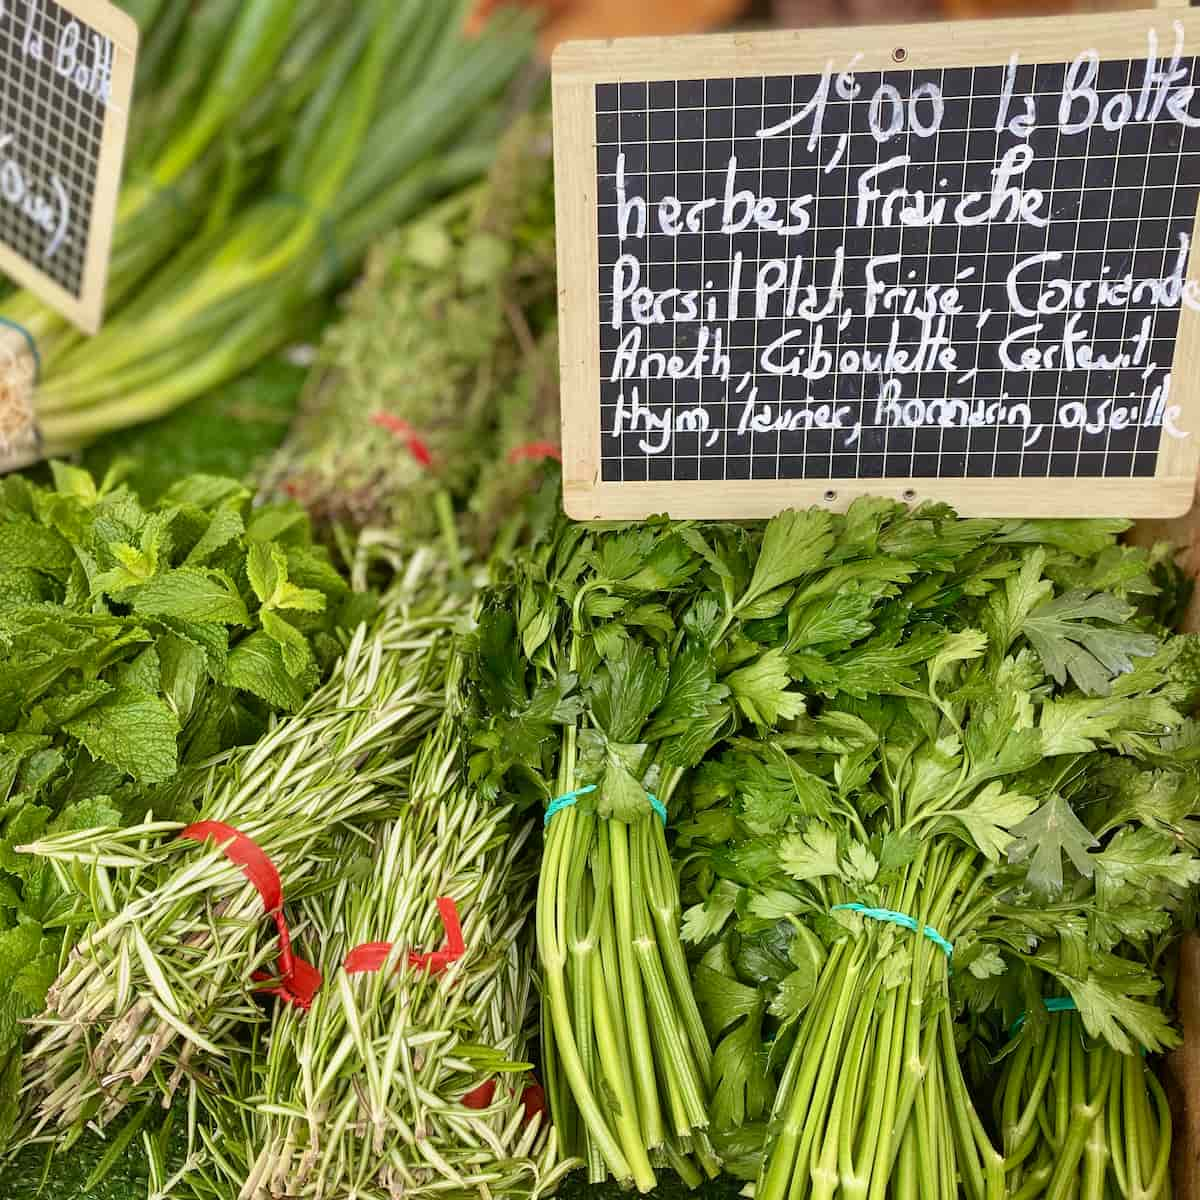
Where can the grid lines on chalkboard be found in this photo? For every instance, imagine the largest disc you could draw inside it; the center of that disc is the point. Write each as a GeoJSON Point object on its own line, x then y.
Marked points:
{"type": "Point", "coordinates": [675, 139]}
{"type": "Point", "coordinates": [51, 125]}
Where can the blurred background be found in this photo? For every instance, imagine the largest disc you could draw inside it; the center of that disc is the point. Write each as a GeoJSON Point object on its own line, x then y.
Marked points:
{"type": "Point", "coordinates": [566, 19]}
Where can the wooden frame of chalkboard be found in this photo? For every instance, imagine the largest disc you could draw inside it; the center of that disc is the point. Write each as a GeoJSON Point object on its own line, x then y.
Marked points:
{"type": "Point", "coordinates": [82, 305]}
{"type": "Point", "coordinates": [589, 79]}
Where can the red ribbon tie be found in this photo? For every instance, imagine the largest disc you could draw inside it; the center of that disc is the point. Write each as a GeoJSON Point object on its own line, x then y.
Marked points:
{"type": "Point", "coordinates": [535, 452]}
{"type": "Point", "coordinates": [299, 981]}
{"type": "Point", "coordinates": [417, 446]}
{"type": "Point", "coordinates": [370, 956]}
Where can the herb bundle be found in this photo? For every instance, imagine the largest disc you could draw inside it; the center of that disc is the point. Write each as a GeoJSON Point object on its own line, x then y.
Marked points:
{"type": "Point", "coordinates": [437, 392]}
{"type": "Point", "coordinates": [407, 1075]}
{"type": "Point", "coordinates": [607, 666]}
{"type": "Point", "coordinates": [1080, 1118]}
{"type": "Point", "coordinates": [916, 844]}
{"type": "Point", "coordinates": [173, 956]}
{"type": "Point", "coordinates": [137, 640]}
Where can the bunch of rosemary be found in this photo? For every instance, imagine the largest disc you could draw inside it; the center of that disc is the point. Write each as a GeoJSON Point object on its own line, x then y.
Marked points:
{"type": "Point", "coordinates": [437, 393]}
{"type": "Point", "coordinates": [172, 952]}
{"type": "Point", "coordinates": [406, 1077]}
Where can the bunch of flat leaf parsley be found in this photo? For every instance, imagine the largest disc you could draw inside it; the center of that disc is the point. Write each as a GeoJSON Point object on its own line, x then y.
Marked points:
{"type": "Point", "coordinates": [993, 748]}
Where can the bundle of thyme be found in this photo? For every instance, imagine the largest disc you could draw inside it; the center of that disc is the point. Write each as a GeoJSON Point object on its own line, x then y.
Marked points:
{"type": "Point", "coordinates": [436, 396]}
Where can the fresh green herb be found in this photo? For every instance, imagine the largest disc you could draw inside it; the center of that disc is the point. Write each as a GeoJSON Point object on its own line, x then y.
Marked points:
{"type": "Point", "coordinates": [1079, 1118]}
{"type": "Point", "coordinates": [132, 646]}
{"type": "Point", "coordinates": [403, 1078]}
{"type": "Point", "coordinates": [971, 768]}
{"type": "Point", "coordinates": [443, 368]}
{"type": "Point", "coordinates": [171, 943]}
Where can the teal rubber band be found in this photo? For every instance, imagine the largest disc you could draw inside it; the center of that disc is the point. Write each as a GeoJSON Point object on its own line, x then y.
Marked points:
{"type": "Point", "coordinates": [1053, 1004]}
{"type": "Point", "coordinates": [37, 358]}
{"type": "Point", "coordinates": [898, 918]}
{"type": "Point", "coordinates": [571, 798]}
{"type": "Point", "coordinates": [567, 801]}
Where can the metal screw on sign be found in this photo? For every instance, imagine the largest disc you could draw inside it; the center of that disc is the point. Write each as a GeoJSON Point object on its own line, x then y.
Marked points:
{"type": "Point", "coordinates": [899, 54]}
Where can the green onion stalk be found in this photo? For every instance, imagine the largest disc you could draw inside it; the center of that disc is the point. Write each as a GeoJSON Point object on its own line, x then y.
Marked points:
{"type": "Point", "coordinates": [402, 1079]}
{"type": "Point", "coordinates": [171, 944]}
{"type": "Point", "coordinates": [1081, 1119]}
{"type": "Point", "coordinates": [234, 72]}
{"type": "Point", "coordinates": [244, 290]}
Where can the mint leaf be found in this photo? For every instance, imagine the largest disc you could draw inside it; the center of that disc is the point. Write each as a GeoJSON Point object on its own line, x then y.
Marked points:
{"type": "Point", "coordinates": [191, 594]}
{"type": "Point", "coordinates": [256, 666]}
{"type": "Point", "coordinates": [266, 568]}
{"type": "Point", "coordinates": [133, 731]}
{"type": "Point", "coordinates": [26, 544]}
{"type": "Point", "coordinates": [225, 526]}
{"type": "Point", "coordinates": [297, 656]}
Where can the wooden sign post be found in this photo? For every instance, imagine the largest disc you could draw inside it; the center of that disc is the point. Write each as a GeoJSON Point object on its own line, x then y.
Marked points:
{"type": "Point", "coordinates": [947, 262]}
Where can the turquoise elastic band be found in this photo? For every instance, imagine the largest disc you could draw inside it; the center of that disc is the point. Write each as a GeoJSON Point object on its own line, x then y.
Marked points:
{"type": "Point", "coordinates": [569, 800]}
{"type": "Point", "coordinates": [1053, 1004]}
{"type": "Point", "coordinates": [37, 358]}
{"type": "Point", "coordinates": [898, 918]}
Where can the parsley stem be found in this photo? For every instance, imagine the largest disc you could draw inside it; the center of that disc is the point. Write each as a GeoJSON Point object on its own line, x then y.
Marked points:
{"type": "Point", "coordinates": [641, 1052]}
{"type": "Point", "coordinates": [559, 841]}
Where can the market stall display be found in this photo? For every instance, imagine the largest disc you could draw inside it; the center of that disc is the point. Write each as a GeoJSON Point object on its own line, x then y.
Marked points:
{"type": "Point", "coordinates": [373, 827]}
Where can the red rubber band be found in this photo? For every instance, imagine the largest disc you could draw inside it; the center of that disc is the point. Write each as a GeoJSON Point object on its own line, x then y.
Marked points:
{"type": "Point", "coordinates": [417, 447]}
{"type": "Point", "coordinates": [299, 981]}
{"type": "Point", "coordinates": [533, 1098]}
{"type": "Point", "coordinates": [370, 956]}
{"type": "Point", "coordinates": [535, 452]}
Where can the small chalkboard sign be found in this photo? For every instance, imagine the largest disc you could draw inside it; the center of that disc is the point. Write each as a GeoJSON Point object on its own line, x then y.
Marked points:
{"type": "Point", "coordinates": [948, 262]}
{"type": "Point", "coordinates": [66, 82]}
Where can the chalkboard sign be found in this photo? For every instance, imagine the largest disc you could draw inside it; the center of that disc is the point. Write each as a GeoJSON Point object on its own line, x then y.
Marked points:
{"type": "Point", "coordinates": [935, 262]}
{"type": "Point", "coordinates": [66, 79]}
